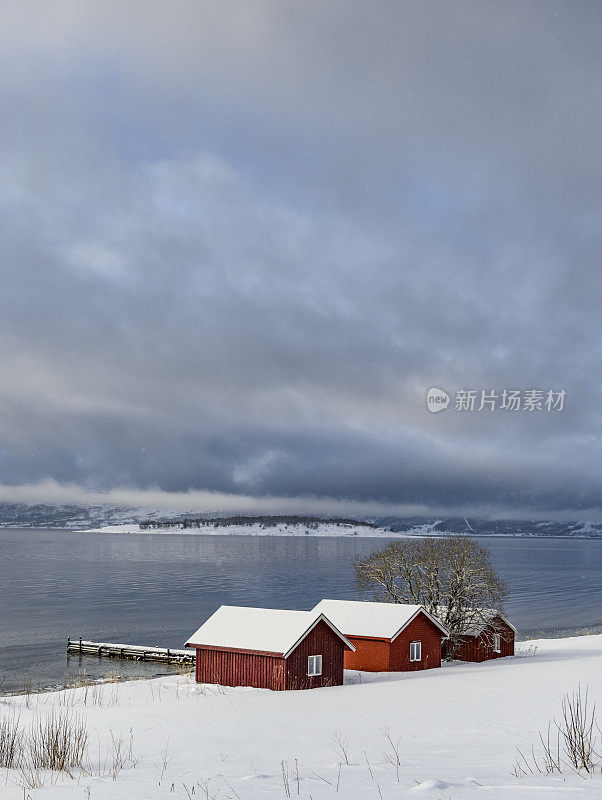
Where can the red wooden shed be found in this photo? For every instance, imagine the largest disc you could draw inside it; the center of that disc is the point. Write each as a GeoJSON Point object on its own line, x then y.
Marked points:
{"type": "Point", "coordinates": [269, 648]}
{"type": "Point", "coordinates": [492, 637]}
{"type": "Point", "coordinates": [388, 637]}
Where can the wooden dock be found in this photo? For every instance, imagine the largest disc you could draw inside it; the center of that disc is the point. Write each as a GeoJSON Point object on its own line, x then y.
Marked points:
{"type": "Point", "coordinates": [135, 652]}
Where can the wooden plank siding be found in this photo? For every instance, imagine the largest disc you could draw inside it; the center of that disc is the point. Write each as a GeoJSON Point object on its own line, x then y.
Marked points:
{"type": "Point", "coordinates": [231, 667]}
{"type": "Point", "coordinates": [480, 648]}
{"type": "Point", "coordinates": [421, 629]}
{"type": "Point", "coordinates": [374, 654]}
{"type": "Point", "coordinates": [322, 640]}
{"type": "Point", "coordinates": [238, 668]}
{"type": "Point", "coordinates": [371, 654]}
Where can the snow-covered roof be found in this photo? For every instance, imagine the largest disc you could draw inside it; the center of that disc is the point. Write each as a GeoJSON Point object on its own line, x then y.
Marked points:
{"type": "Point", "coordinates": [268, 630]}
{"type": "Point", "coordinates": [379, 620]}
{"type": "Point", "coordinates": [482, 618]}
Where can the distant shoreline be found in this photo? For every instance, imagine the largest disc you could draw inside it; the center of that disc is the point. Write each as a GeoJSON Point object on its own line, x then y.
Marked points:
{"type": "Point", "coordinates": [113, 519]}
{"type": "Point", "coordinates": [321, 531]}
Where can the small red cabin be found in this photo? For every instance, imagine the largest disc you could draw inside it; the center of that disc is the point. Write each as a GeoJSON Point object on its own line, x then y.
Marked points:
{"type": "Point", "coordinates": [269, 649]}
{"type": "Point", "coordinates": [388, 637]}
{"type": "Point", "coordinates": [493, 637]}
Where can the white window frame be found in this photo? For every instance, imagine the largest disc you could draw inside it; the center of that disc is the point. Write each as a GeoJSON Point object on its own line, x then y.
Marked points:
{"type": "Point", "coordinates": [497, 643]}
{"type": "Point", "coordinates": [314, 666]}
{"type": "Point", "coordinates": [415, 646]}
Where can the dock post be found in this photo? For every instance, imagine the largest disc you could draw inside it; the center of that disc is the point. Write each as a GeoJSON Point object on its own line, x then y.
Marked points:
{"type": "Point", "coordinates": [138, 653]}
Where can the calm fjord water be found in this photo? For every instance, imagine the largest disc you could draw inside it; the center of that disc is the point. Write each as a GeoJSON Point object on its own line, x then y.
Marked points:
{"type": "Point", "coordinates": [157, 589]}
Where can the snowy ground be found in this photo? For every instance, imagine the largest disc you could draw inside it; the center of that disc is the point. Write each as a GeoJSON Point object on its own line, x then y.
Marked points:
{"type": "Point", "coordinates": [458, 730]}
{"type": "Point", "coordinates": [322, 529]}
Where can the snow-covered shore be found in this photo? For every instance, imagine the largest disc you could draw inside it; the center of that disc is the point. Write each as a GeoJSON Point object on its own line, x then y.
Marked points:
{"type": "Point", "coordinates": [325, 528]}
{"type": "Point", "coordinates": [458, 730]}
{"type": "Point", "coordinates": [320, 529]}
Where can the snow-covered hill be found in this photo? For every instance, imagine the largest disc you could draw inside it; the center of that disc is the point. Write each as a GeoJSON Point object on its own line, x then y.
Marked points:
{"type": "Point", "coordinates": [117, 518]}
{"type": "Point", "coordinates": [74, 516]}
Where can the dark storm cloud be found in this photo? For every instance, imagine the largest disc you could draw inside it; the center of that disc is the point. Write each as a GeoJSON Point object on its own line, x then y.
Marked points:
{"type": "Point", "coordinates": [240, 241]}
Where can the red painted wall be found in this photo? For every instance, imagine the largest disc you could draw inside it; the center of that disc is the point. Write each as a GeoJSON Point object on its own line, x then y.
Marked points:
{"type": "Point", "coordinates": [422, 630]}
{"type": "Point", "coordinates": [236, 668]}
{"type": "Point", "coordinates": [320, 641]}
{"type": "Point", "coordinates": [480, 648]}
{"type": "Point", "coordinates": [270, 671]}
{"type": "Point", "coordinates": [382, 655]}
{"type": "Point", "coordinates": [371, 655]}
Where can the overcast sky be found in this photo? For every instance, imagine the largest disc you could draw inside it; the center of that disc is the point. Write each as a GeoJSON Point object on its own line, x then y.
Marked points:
{"type": "Point", "coordinates": [240, 240]}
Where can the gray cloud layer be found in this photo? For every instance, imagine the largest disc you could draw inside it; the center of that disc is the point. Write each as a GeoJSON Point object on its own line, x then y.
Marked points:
{"type": "Point", "coordinates": [240, 240]}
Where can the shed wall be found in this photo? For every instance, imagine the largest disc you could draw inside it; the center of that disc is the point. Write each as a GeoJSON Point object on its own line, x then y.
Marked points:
{"type": "Point", "coordinates": [322, 640]}
{"type": "Point", "coordinates": [382, 655]}
{"type": "Point", "coordinates": [371, 655]}
{"type": "Point", "coordinates": [421, 629]}
{"type": "Point", "coordinates": [235, 668]}
{"type": "Point", "coordinates": [480, 648]}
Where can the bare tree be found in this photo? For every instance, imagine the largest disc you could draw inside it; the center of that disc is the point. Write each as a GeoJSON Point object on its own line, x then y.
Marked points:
{"type": "Point", "coordinates": [453, 578]}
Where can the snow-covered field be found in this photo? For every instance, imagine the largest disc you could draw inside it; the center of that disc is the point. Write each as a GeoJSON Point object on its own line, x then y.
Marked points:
{"type": "Point", "coordinates": [321, 529]}
{"type": "Point", "coordinates": [458, 729]}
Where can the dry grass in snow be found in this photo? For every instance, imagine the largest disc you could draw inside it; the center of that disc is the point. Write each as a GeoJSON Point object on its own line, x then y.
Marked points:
{"type": "Point", "coordinates": [495, 730]}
